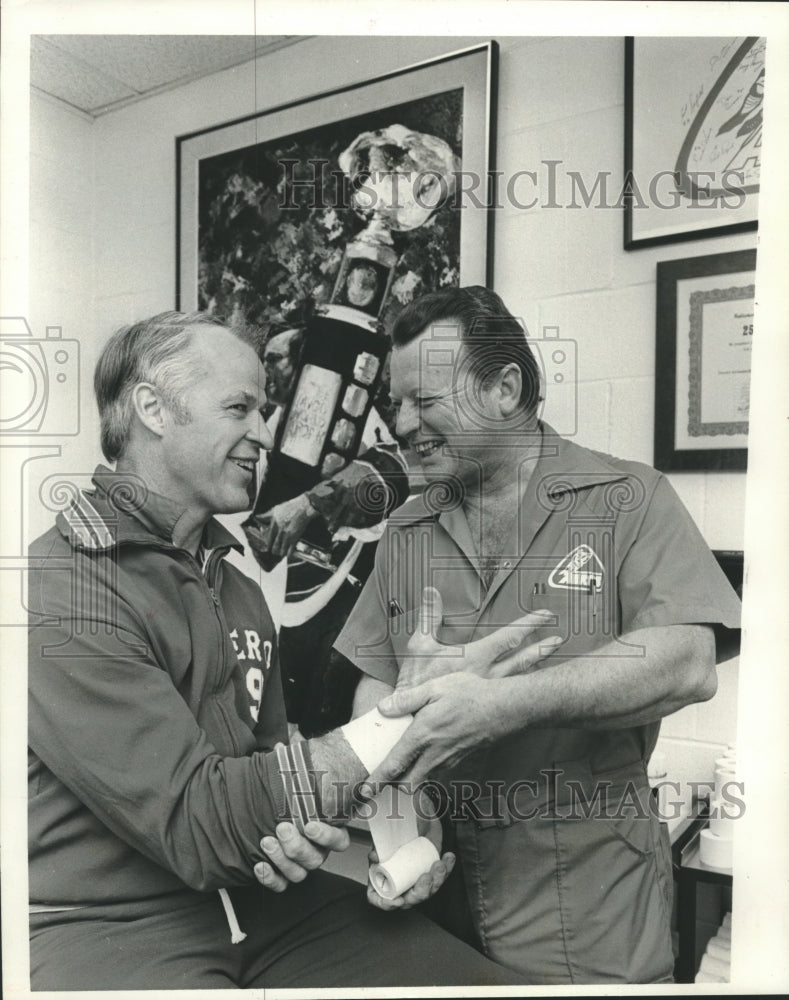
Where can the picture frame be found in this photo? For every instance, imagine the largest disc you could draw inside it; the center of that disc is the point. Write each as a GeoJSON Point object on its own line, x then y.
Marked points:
{"type": "Point", "coordinates": [704, 324]}
{"type": "Point", "coordinates": [455, 100]}
{"type": "Point", "coordinates": [732, 562]}
{"type": "Point", "coordinates": [692, 137]}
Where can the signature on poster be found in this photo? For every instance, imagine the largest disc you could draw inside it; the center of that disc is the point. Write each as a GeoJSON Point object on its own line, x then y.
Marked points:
{"type": "Point", "coordinates": [722, 145]}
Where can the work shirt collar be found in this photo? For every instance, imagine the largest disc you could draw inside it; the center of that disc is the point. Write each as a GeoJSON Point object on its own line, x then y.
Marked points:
{"type": "Point", "coordinates": [124, 509]}
{"type": "Point", "coordinates": [562, 468]}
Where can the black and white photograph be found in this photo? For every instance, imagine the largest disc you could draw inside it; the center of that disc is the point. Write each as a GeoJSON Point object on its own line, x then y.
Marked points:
{"type": "Point", "coordinates": [394, 451]}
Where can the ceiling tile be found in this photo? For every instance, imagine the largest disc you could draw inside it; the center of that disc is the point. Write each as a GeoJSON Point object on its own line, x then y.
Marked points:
{"type": "Point", "coordinates": [146, 62]}
{"type": "Point", "coordinates": [59, 74]}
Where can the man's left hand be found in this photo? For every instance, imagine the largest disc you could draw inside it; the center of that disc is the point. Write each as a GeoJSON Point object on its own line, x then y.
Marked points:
{"type": "Point", "coordinates": [500, 654]}
{"type": "Point", "coordinates": [454, 715]}
{"type": "Point", "coordinates": [292, 855]}
{"type": "Point", "coordinates": [426, 885]}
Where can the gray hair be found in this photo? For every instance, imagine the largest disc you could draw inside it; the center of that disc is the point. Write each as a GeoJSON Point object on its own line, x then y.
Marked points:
{"type": "Point", "coordinates": [156, 350]}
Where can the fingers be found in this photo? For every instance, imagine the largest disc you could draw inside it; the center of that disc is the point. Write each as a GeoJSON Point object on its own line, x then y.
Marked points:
{"type": "Point", "coordinates": [405, 701]}
{"type": "Point", "coordinates": [431, 613]}
{"type": "Point", "coordinates": [383, 904]}
{"type": "Point", "coordinates": [330, 838]}
{"type": "Point", "coordinates": [429, 883]}
{"type": "Point", "coordinates": [522, 660]}
{"type": "Point", "coordinates": [291, 853]}
{"type": "Point", "coordinates": [425, 886]}
{"type": "Point", "coordinates": [372, 896]}
{"type": "Point", "coordinates": [509, 637]}
{"type": "Point", "coordinates": [268, 878]}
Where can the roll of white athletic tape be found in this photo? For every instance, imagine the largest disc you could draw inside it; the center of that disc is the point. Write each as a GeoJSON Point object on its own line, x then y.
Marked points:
{"type": "Point", "coordinates": [402, 870]}
{"type": "Point", "coordinates": [392, 815]}
{"type": "Point", "coordinates": [724, 773]}
{"type": "Point", "coordinates": [715, 851]}
{"type": "Point", "coordinates": [373, 735]}
{"type": "Point", "coordinates": [721, 820]}
{"type": "Point", "coordinates": [392, 819]}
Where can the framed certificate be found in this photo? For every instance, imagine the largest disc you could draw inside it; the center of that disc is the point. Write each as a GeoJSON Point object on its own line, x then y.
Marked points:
{"type": "Point", "coordinates": [705, 308]}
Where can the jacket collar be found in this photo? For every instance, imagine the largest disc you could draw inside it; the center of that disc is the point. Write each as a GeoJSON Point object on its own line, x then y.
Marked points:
{"type": "Point", "coordinates": [123, 509]}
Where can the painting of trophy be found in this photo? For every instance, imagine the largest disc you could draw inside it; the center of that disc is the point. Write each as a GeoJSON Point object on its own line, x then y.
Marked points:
{"type": "Point", "coordinates": [331, 446]}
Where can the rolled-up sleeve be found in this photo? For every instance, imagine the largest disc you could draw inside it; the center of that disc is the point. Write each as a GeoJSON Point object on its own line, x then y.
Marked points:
{"type": "Point", "coordinates": [669, 576]}
{"type": "Point", "coordinates": [365, 638]}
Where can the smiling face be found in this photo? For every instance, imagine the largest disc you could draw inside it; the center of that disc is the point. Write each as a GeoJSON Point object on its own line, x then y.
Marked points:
{"type": "Point", "coordinates": [210, 461]}
{"type": "Point", "coordinates": [445, 415]}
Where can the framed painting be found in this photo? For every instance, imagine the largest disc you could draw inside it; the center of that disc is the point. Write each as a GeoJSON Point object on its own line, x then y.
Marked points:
{"type": "Point", "coordinates": [705, 311]}
{"type": "Point", "coordinates": [265, 209]}
{"type": "Point", "coordinates": [693, 133]}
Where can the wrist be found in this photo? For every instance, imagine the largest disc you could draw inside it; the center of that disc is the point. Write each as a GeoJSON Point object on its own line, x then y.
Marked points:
{"type": "Point", "coordinates": [511, 703]}
{"type": "Point", "coordinates": [337, 772]}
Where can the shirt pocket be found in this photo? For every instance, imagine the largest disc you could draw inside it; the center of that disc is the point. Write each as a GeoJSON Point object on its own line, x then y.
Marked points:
{"type": "Point", "coordinates": [581, 617]}
{"type": "Point", "coordinates": [402, 626]}
{"type": "Point", "coordinates": [457, 629]}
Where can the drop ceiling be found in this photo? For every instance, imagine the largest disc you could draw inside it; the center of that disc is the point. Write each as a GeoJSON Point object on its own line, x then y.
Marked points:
{"type": "Point", "coordinates": [101, 73]}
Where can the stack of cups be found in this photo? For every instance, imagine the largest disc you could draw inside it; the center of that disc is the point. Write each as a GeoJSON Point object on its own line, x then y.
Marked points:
{"type": "Point", "coordinates": [716, 842]}
{"type": "Point", "coordinates": [725, 769]}
{"type": "Point", "coordinates": [716, 961]}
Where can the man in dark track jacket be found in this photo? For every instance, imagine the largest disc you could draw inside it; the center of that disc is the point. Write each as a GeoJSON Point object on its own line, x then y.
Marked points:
{"type": "Point", "coordinates": [155, 708]}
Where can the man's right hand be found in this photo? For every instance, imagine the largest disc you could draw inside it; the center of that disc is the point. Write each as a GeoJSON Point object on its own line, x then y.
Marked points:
{"type": "Point", "coordinates": [292, 855]}
{"type": "Point", "coordinates": [500, 654]}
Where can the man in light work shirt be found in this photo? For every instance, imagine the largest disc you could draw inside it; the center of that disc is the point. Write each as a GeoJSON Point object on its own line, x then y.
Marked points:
{"type": "Point", "coordinates": [567, 871]}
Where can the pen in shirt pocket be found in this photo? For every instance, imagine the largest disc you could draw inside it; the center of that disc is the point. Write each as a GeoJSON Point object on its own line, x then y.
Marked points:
{"type": "Point", "coordinates": [394, 608]}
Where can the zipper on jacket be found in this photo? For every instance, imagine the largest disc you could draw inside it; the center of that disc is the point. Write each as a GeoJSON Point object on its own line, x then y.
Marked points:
{"type": "Point", "coordinates": [211, 577]}
{"type": "Point", "coordinates": [211, 573]}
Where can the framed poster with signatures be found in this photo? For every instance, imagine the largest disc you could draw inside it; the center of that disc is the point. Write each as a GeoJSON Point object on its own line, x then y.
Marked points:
{"type": "Point", "coordinates": [705, 310]}
{"type": "Point", "coordinates": [693, 136]}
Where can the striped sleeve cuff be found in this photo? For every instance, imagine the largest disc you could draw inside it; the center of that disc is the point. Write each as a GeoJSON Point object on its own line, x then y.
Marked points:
{"type": "Point", "coordinates": [295, 768]}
